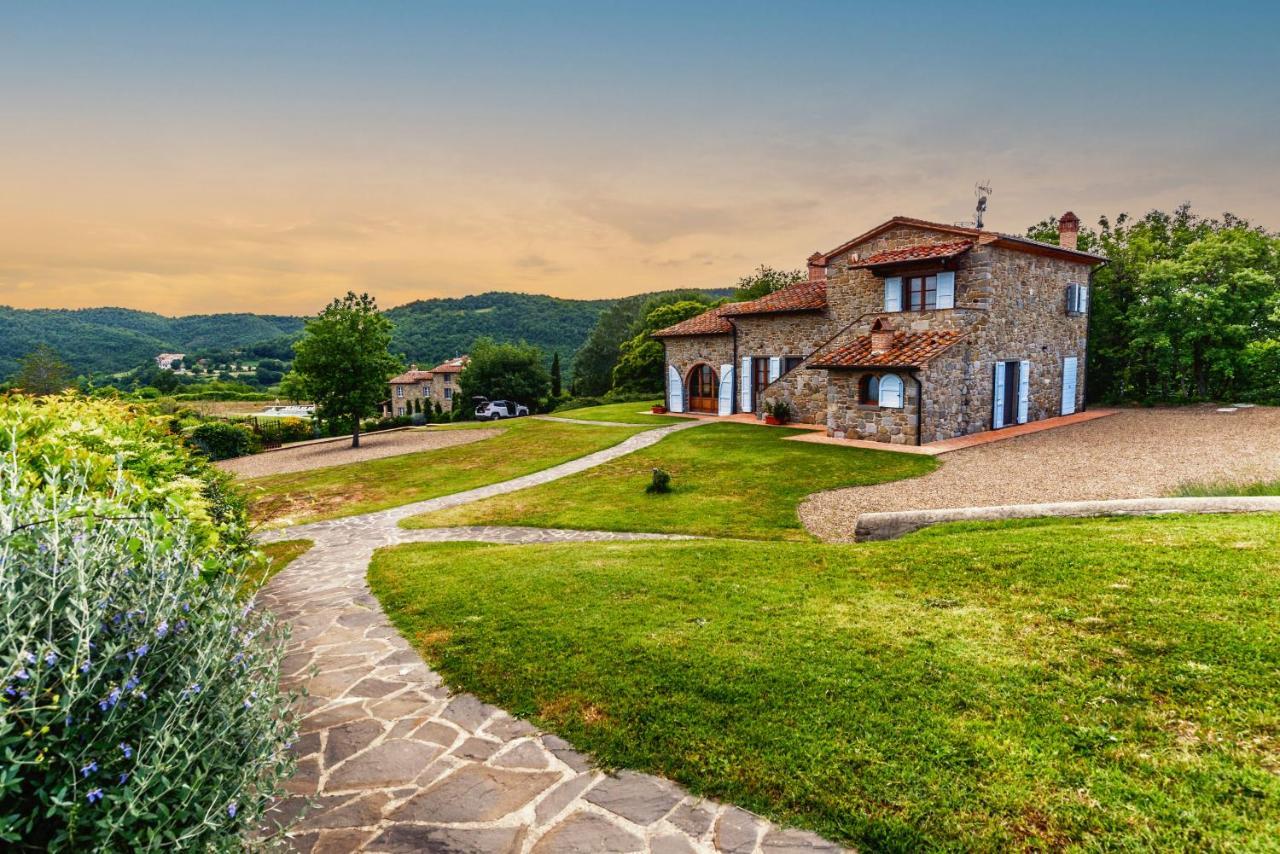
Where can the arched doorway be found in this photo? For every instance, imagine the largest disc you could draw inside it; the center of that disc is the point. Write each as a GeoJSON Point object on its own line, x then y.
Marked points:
{"type": "Point", "coordinates": [704, 389]}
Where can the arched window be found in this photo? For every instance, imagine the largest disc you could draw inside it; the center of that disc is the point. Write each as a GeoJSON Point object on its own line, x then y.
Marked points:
{"type": "Point", "coordinates": [891, 391]}
{"type": "Point", "coordinates": [869, 390]}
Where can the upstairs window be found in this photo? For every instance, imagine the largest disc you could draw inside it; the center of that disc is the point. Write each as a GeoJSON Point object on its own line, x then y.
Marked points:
{"type": "Point", "coordinates": [790, 363]}
{"type": "Point", "coordinates": [919, 293]}
{"type": "Point", "coordinates": [1077, 300]}
{"type": "Point", "coordinates": [399, 391]}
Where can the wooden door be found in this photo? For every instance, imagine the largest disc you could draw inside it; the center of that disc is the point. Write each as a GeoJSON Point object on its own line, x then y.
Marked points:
{"type": "Point", "coordinates": [704, 390]}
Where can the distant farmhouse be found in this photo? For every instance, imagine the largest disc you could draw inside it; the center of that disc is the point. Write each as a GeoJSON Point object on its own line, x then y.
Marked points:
{"type": "Point", "coordinates": [912, 332]}
{"type": "Point", "coordinates": [166, 361]}
{"type": "Point", "coordinates": [436, 386]}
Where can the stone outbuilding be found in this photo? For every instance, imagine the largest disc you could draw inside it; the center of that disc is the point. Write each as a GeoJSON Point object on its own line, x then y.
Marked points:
{"type": "Point", "coordinates": [436, 386]}
{"type": "Point", "coordinates": [913, 332]}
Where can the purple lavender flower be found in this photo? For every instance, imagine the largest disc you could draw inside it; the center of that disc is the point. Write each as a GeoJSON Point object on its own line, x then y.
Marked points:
{"type": "Point", "coordinates": [23, 674]}
{"type": "Point", "coordinates": [51, 658]}
{"type": "Point", "coordinates": [89, 769]}
{"type": "Point", "coordinates": [124, 778]}
{"type": "Point", "coordinates": [231, 809]}
{"type": "Point", "coordinates": [126, 750]}
{"type": "Point", "coordinates": [28, 657]}
{"type": "Point", "coordinates": [142, 650]}
{"type": "Point", "coordinates": [94, 796]}
{"type": "Point", "coordinates": [162, 630]}
{"type": "Point", "coordinates": [131, 683]}
{"type": "Point", "coordinates": [84, 668]}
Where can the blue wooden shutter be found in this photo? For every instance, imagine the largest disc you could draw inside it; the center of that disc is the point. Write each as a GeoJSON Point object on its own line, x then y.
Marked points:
{"type": "Point", "coordinates": [1084, 298]}
{"type": "Point", "coordinates": [1069, 367]}
{"type": "Point", "coordinates": [891, 391]}
{"type": "Point", "coordinates": [744, 381]}
{"type": "Point", "coordinates": [997, 397]}
{"type": "Point", "coordinates": [726, 390]}
{"type": "Point", "coordinates": [947, 290]}
{"type": "Point", "coordinates": [775, 367]}
{"type": "Point", "coordinates": [893, 293]}
{"type": "Point", "coordinates": [675, 390]}
{"type": "Point", "coordinates": [1024, 390]}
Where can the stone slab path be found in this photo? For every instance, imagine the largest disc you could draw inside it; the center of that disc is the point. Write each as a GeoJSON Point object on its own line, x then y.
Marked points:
{"type": "Point", "coordinates": [389, 760]}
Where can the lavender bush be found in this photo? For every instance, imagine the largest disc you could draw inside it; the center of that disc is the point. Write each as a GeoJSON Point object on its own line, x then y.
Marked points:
{"type": "Point", "coordinates": [139, 705]}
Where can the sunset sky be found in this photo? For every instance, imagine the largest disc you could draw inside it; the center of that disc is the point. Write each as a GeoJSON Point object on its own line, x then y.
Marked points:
{"type": "Point", "coordinates": [265, 156]}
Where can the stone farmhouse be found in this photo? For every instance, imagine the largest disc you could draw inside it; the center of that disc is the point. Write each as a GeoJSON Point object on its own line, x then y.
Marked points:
{"type": "Point", "coordinates": [913, 332]}
{"type": "Point", "coordinates": [438, 385]}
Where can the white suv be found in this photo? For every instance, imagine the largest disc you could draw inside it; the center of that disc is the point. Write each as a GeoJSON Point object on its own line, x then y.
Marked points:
{"type": "Point", "coordinates": [493, 410]}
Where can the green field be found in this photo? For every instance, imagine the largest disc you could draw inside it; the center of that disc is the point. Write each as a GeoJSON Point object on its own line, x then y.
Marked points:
{"type": "Point", "coordinates": [1094, 684]}
{"type": "Point", "coordinates": [525, 445]}
{"type": "Point", "coordinates": [626, 413]}
{"type": "Point", "coordinates": [728, 480]}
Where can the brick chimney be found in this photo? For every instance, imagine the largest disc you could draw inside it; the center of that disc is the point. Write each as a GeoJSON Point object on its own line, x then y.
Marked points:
{"type": "Point", "coordinates": [1068, 230]}
{"type": "Point", "coordinates": [414, 366]}
{"type": "Point", "coordinates": [881, 336]}
{"type": "Point", "coordinates": [817, 267]}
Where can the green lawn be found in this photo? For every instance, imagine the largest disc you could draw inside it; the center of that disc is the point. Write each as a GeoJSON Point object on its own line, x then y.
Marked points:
{"type": "Point", "coordinates": [627, 413]}
{"type": "Point", "coordinates": [275, 557]}
{"type": "Point", "coordinates": [526, 445]}
{"type": "Point", "coordinates": [1228, 487]}
{"type": "Point", "coordinates": [729, 480]}
{"type": "Point", "coordinates": [1097, 684]}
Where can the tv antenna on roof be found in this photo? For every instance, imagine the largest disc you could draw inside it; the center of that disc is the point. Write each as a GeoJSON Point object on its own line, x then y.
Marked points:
{"type": "Point", "coordinates": [981, 190]}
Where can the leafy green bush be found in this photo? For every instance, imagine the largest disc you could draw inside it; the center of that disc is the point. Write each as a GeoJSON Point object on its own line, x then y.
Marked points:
{"type": "Point", "coordinates": [139, 707]}
{"type": "Point", "coordinates": [661, 483]}
{"type": "Point", "coordinates": [222, 440]}
{"type": "Point", "coordinates": [105, 437]}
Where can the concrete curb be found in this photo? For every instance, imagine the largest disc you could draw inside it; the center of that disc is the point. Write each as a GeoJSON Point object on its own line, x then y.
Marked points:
{"type": "Point", "coordinates": [889, 526]}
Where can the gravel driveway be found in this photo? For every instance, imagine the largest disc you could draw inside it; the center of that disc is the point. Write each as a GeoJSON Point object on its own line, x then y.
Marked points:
{"type": "Point", "coordinates": [372, 446]}
{"type": "Point", "coordinates": [1136, 453]}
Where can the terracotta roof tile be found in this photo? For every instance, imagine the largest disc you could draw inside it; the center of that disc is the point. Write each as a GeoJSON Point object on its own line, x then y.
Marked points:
{"type": "Point", "coordinates": [920, 252]}
{"type": "Point", "coordinates": [709, 322]}
{"type": "Point", "coordinates": [802, 296]}
{"type": "Point", "coordinates": [909, 350]}
{"type": "Point", "coordinates": [411, 377]}
{"type": "Point", "coordinates": [452, 366]}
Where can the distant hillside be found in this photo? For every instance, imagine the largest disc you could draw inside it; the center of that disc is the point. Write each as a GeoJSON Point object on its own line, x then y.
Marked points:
{"type": "Point", "coordinates": [426, 331]}
{"type": "Point", "coordinates": [116, 339]}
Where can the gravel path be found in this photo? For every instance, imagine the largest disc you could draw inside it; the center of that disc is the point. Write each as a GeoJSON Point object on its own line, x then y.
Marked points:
{"type": "Point", "coordinates": [373, 446]}
{"type": "Point", "coordinates": [1137, 453]}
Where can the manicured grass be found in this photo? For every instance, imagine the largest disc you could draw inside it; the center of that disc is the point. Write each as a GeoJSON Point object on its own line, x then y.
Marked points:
{"type": "Point", "coordinates": [276, 556]}
{"type": "Point", "coordinates": [1095, 684]}
{"type": "Point", "coordinates": [1227, 487]}
{"type": "Point", "coordinates": [526, 445]}
{"type": "Point", "coordinates": [627, 413]}
{"type": "Point", "coordinates": [729, 480]}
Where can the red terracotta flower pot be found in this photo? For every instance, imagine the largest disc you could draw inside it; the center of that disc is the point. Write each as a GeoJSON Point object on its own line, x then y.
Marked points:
{"type": "Point", "coordinates": [658, 410]}
{"type": "Point", "coordinates": [769, 419]}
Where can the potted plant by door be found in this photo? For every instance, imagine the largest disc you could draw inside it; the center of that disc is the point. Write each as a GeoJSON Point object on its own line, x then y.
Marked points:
{"type": "Point", "coordinates": [658, 409]}
{"type": "Point", "coordinates": [777, 412]}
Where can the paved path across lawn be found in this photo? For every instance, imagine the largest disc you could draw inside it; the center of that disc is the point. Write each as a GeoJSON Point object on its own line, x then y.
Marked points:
{"type": "Point", "coordinates": [393, 761]}
{"type": "Point", "coordinates": [1135, 453]}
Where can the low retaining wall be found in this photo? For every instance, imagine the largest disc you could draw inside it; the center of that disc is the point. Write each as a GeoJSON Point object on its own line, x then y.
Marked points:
{"type": "Point", "coordinates": [888, 526]}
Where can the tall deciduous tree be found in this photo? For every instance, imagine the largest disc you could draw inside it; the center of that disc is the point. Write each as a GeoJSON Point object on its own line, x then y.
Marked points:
{"type": "Point", "coordinates": [504, 372]}
{"type": "Point", "coordinates": [42, 371]}
{"type": "Point", "coordinates": [764, 281]}
{"type": "Point", "coordinates": [639, 367]}
{"type": "Point", "coordinates": [1186, 308]}
{"type": "Point", "coordinates": [342, 362]}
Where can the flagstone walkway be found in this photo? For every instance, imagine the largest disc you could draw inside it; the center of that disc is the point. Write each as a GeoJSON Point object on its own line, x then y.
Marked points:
{"type": "Point", "coordinates": [390, 760]}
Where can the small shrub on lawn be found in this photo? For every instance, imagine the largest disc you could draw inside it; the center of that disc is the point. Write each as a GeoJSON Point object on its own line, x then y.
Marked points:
{"type": "Point", "coordinates": [660, 483]}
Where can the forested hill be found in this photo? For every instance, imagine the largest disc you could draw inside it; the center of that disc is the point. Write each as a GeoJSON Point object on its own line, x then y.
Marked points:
{"type": "Point", "coordinates": [432, 330]}
{"type": "Point", "coordinates": [116, 339]}
{"type": "Point", "coordinates": [426, 331]}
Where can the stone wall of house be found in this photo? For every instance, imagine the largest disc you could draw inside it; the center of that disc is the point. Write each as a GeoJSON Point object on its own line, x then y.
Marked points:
{"type": "Point", "coordinates": [441, 381]}
{"type": "Point", "coordinates": [1028, 321]}
{"type": "Point", "coordinates": [849, 418]}
{"type": "Point", "coordinates": [685, 351]}
{"type": "Point", "coordinates": [798, 334]}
